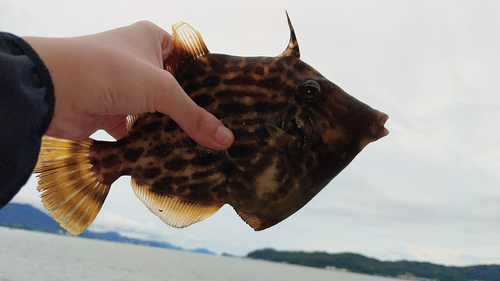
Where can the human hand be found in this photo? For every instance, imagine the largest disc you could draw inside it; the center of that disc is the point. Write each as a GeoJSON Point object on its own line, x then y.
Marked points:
{"type": "Point", "coordinates": [100, 79]}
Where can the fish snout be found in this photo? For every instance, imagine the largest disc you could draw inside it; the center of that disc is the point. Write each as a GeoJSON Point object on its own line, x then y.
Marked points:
{"type": "Point", "coordinates": [377, 129]}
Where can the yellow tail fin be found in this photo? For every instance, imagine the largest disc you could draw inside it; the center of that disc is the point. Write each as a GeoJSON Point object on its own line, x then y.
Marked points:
{"type": "Point", "coordinates": [70, 190]}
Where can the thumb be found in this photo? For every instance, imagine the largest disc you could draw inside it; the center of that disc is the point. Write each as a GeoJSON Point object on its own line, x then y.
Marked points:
{"type": "Point", "coordinates": [198, 123]}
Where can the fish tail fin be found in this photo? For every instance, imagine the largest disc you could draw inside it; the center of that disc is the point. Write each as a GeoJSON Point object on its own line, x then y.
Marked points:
{"type": "Point", "coordinates": [69, 189]}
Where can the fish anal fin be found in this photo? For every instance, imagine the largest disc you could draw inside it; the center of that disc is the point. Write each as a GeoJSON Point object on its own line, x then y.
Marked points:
{"type": "Point", "coordinates": [173, 212]}
{"type": "Point", "coordinates": [68, 186]}
{"type": "Point", "coordinates": [187, 45]}
{"type": "Point", "coordinates": [255, 222]}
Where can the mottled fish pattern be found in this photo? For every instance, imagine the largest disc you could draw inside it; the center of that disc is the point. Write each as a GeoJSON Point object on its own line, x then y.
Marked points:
{"type": "Point", "coordinates": [294, 131]}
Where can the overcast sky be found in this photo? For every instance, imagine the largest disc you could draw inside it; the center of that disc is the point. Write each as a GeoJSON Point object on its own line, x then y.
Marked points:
{"type": "Point", "coordinates": [430, 191]}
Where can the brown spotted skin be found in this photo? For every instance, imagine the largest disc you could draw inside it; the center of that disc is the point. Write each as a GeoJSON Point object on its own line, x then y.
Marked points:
{"type": "Point", "coordinates": [294, 132]}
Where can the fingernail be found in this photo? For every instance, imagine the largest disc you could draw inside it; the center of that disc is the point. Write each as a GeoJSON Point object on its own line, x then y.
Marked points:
{"type": "Point", "coordinates": [223, 135]}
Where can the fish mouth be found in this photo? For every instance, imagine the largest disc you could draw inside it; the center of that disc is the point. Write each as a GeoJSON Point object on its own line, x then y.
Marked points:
{"type": "Point", "coordinates": [377, 129]}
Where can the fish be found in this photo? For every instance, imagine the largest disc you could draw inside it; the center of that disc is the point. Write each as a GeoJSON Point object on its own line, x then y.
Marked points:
{"type": "Point", "coordinates": [294, 131]}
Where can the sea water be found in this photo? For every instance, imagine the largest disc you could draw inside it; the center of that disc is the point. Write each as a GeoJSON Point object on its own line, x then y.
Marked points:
{"type": "Point", "coordinates": [29, 255]}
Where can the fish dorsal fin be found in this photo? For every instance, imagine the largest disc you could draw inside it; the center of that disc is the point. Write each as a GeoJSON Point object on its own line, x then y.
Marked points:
{"type": "Point", "coordinates": [189, 39]}
{"type": "Point", "coordinates": [255, 222]}
{"type": "Point", "coordinates": [187, 45]}
{"type": "Point", "coordinates": [293, 46]}
{"type": "Point", "coordinates": [131, 120]}
{"type": "Point", "coordinates": [173, 212]}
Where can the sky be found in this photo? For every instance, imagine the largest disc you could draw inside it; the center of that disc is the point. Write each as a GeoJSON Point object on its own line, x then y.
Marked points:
{"type": "Point", "coordinates": [430, 191]}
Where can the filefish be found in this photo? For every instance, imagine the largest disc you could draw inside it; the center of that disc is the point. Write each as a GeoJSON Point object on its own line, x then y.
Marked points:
{"type": "Point", "coordinates": [294, 131]}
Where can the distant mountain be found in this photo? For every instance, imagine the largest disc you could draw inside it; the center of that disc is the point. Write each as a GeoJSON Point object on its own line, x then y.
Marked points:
{"type": "Point", "coordinates": [28, 217]}
{"type": "Point", "coordinates": [361, 264]}
{"type": "Point", "coordinates": [25, 216]}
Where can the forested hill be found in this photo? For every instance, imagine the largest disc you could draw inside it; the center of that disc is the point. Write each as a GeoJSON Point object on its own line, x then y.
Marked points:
{"type": "Point", "coordinates": [361, 264]}
{"type": "Point", "coordinates": [25, 216]}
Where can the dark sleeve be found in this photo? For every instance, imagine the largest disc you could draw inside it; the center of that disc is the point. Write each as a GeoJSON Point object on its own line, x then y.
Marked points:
{"type": "Point", "coordinates": [26, 109]}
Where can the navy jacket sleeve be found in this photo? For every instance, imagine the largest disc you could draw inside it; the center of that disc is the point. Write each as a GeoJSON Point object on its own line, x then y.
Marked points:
{"type": "Point", "coordinates": [26, 109]}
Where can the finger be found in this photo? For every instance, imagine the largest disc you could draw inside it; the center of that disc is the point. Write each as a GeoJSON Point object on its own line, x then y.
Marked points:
{"type": "Point", "coordinates": [163, 37]}
{"type": "Point", "coordinates": [116, 126]}
{"type": "Point", "coordinates": [166, 44]}
{"type": "Point", "coordinates": [198, 123]}
{"type": "Point", "coordinates": [118, 132]}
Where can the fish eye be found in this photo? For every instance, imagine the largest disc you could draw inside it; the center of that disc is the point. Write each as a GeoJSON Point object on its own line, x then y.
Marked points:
{"type": "Point", "coordinates": [309, 89]}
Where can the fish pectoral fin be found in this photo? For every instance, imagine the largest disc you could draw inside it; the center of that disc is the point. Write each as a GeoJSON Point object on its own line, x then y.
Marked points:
{"type": "Point", "coordinates": [255, 222]}
{"type": "Point", "coordinates": [68, 186]}
{"type": "Point", "coordinates": [173, 212]}
{"type": "Point", "coordinates": [280, 137]}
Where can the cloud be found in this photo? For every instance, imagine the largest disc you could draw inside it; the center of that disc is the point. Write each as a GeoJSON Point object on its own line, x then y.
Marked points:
{"type": "Point", "coordinates": [114, 221]}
